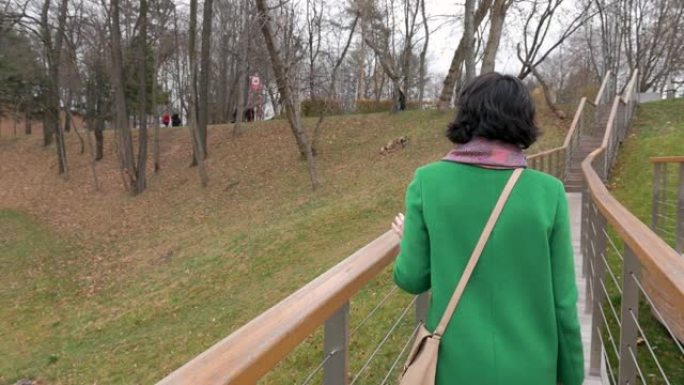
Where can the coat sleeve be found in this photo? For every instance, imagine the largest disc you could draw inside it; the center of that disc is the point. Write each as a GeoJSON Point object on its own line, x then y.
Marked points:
{"type": "Point", "coordinates": [412, 267]}
{"type": "Point", "coordinates": [570, 354]}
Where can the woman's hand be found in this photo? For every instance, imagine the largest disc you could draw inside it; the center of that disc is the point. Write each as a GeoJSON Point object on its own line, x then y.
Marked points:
{"type": "Point", "coordinates": [398, 225]}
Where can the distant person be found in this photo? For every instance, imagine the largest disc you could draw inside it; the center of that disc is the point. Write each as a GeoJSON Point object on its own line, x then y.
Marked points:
{"type": "Point", "coordinates": [516, 322]}
{"type": "Point", "coordinates": [166, 119]}
{"type": "Point", "coordinates": [175, 120]}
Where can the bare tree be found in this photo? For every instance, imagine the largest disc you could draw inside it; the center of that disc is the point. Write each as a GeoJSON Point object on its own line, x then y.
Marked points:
{"type": "Point", "coordinates": [536, 30]}
{"type": "Point", "coordinates": [142, 100]}
{"type": "Point", "coordinates": [379, 28]}
{"type": "Point", "coordinates": [203, 106]}
{"type": "Point", "coordinates": [454, 74]}
{"type": "Point", "coordinates": [242, 67]}
{"type": "Point", "coordinates": [284, 87]}
{"type": "Point", "coordinates": [423, 53]}
{"type": "Point", "coordinates": [331, 86]}
{"type": "Point", "coordinates": [654, 40]}
{"type": "Point", "coordinates": [496, 23]}
{"type": "Point", "coordinates": [194, 132]}
{"type": "Point", "coordinates": [53, 51]}
{"type": "Point", "coordinates": [469, 29]}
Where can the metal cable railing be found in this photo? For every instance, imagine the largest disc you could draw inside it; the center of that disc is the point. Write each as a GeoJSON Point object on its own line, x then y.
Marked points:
{"type": "Point", "coordinates": [629, 267]}
{"type": "Point", "coordinates": [667, 218]}
{"type": "Point", "coordinates": [365, 320]}
{"type": "Point", "coordinates": [400, 356]}
{"type": "Point", "coordinates": [383, 341]}
{"type": "Point", "coordinates": [255, 349]}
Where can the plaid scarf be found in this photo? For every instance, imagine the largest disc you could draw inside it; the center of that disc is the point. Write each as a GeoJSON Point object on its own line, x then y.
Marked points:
{"type": "Point", "coordinates": [488, 153]}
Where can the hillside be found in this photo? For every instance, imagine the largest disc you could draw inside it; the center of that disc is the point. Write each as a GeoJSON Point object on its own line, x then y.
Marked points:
{"type": "Point", "coordinates": [99, 286]}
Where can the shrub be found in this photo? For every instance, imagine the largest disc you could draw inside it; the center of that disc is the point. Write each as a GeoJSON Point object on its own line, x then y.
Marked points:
{"type": "Point", "coordinates": [314, 107]}
{"type": "Point", "coordinates": [367, 106]}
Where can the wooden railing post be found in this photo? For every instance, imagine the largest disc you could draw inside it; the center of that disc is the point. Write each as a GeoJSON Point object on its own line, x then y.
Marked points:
{"type": "Point", "coordinates": [630, 315]}
{"type": "Point", "coordinates": [335, 344]}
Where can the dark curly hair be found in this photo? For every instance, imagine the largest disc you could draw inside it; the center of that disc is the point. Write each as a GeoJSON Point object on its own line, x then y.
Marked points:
{"type": "Point", "coordinates": [497, 107]}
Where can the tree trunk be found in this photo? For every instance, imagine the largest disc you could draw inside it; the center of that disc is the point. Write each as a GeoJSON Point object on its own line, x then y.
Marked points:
{"type": "Point", "coordinates": [99, 138]}
{"type": "Point", "coordinates": [179, 83]}
{"type": "Point", "coordinates": [331, 91]}
{"type": "Point", "coordinates": [423, 54]}
{"type": "Point", "coordinates": [69, 118]}
{"type": "Point", "coordinates": [242, 72]}
{"type": "Point", "coordinates": [285, 92]}
{"type": "Point", "coordinates": [27, 124]}
{"type": "Point", "coordinates": [469, 35]}
{"type": "Point", "coordinates": [51, 121]}
{"type": "Point", "coordinates": [547, 94]}
{"type": "Point", "coordinates": [196, 141]}
{"type": "Point", "coordinates": [203, 106]}
{"type": "Point", "coordinates": [454, 74]}
{"type": "Point", "coordinates": [49, 114]}
{"type": "Point", "coordinates": [54, 70]}
{"type": "Point", "coordinates": [155, 147]}
{"type": "Point", "coordinates": [498, 16]}
{"type": "Point", "coordinates": [93, 159]}
{"type": "Point", "coordinates": [141, 166]}
{"type": "Point", "coordinates": [124, 133]}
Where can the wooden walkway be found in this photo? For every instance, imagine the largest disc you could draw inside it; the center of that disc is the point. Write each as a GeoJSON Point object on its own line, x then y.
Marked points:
{"type": "Point", "coordinates": [575, 206]}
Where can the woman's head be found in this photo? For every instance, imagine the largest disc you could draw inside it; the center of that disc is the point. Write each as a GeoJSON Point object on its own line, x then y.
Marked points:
{"type": "Point", "coordinates": [496, 107]}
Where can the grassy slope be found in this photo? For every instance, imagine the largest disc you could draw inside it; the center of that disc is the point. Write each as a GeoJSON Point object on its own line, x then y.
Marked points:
{"type": "Point", "coordinates": [657, 131]}
{"type": "Point", "coordinates": [101, 287]}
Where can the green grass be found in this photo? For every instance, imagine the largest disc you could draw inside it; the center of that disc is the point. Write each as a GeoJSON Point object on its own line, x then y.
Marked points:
{"type": "Point", "coordinates": [103, 288]}
{"type": "Point", "coordinates": [658, 130]}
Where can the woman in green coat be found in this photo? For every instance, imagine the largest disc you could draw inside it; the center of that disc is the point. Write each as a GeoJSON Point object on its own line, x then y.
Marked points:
{"type": "Point", "coordinates": [516, 323]}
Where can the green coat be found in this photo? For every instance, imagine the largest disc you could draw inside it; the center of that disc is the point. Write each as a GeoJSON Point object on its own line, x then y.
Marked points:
{"type": "Point", "coordinates": [517, 321]}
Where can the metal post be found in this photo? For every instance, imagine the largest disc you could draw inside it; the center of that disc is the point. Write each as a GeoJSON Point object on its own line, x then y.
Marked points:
{"type": "Point", "coordinates": [566, 163]}
{"type": "Point", "coordinates": [679, 244]}
{"type": "Point", "coordinates": [422, 305]}
{"type": "Point", "coordinates": [599, 247]}
{"type": "Point", "coordinates": [629, 330]}
{"type": "Point", "coordinates": [584, 230]}
{"type": "Point", "coordinates": [657, 170]}
{"type": "Point", "coordinates": [335, 343]}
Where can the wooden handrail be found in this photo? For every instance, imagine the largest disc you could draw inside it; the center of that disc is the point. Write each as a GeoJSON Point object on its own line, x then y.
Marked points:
{"type": "Point", "coordinates": [611, 120]}
{"type": "Point", "coordinates": [663, 266]}
{"type": "Point", "coordinates": [666, 159]}
{"type": "Point", "coordinates": [254, 349]}
{"type": "Point", "coordinates": [575, 122]}
{"type": "Point", "coordinates": [630, 88]}
{"type": "Point", "coordinates": [604, 84]}
{"type": "Point", "coordinates": [544, 153]}
{"type": "Point", "coordinates": [568, 136]}
{"type": "Point", "coordinates": [661, 262]}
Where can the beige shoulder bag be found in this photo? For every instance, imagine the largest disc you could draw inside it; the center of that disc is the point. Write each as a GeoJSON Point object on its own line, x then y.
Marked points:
{"type": "Point", "coordinates": [421, 365]}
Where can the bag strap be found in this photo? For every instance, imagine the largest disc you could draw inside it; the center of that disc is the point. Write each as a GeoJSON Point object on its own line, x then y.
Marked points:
{"type": "Point", "coordinates": [475, 256]}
